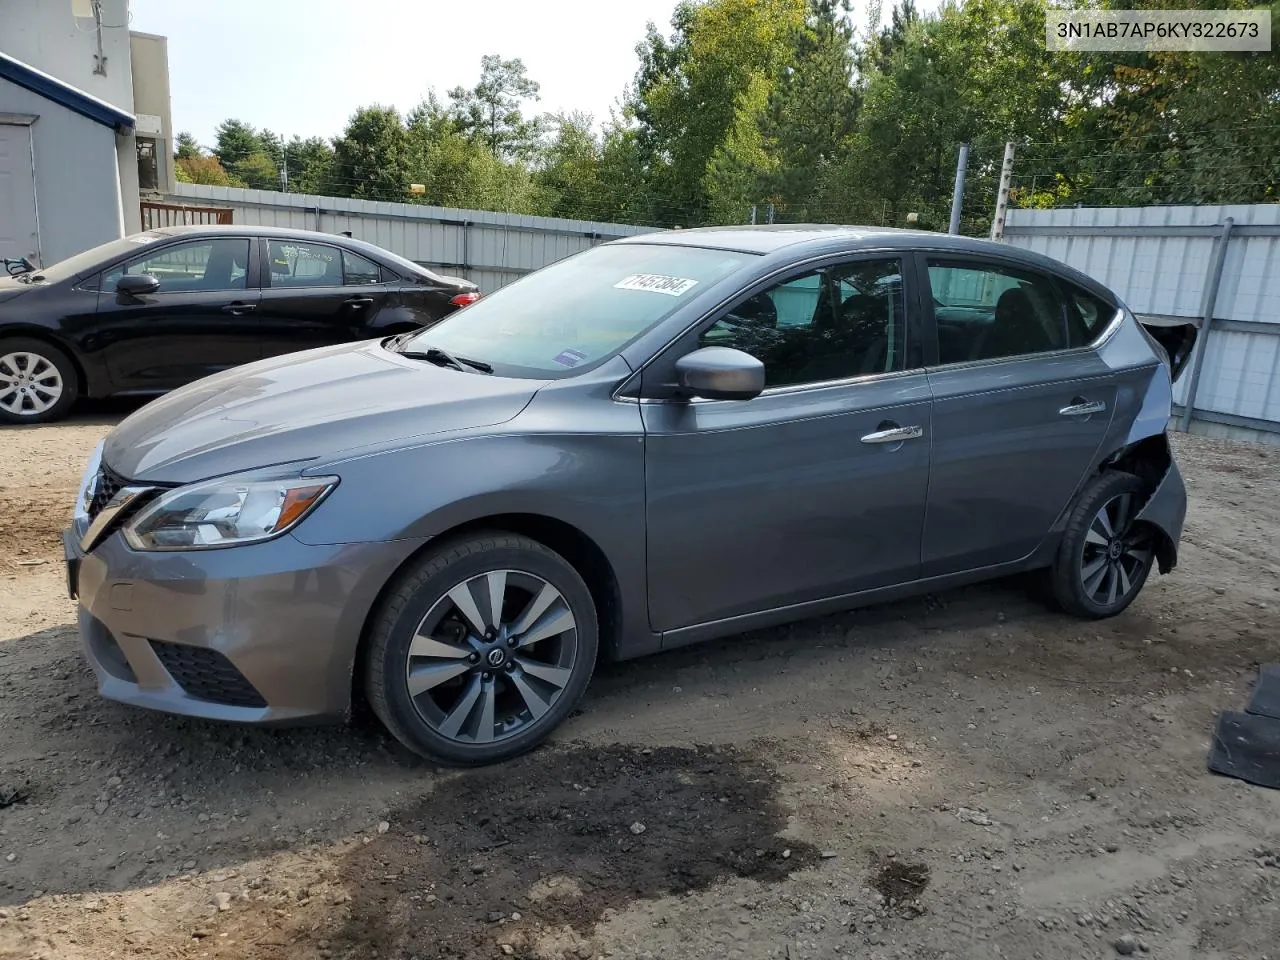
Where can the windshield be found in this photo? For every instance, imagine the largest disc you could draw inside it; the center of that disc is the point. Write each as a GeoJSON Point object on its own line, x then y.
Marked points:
{"type": "Point", "coordinates": [579, 311]}
{"type": "Point", "coordinates": [95, 257]}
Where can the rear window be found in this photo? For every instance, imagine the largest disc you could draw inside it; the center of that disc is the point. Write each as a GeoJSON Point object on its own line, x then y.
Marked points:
{"type": "Point", "coordinates": [577, 312]}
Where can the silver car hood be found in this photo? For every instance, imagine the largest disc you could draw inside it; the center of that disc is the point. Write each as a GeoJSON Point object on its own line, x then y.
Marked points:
{"type": "Point", "coordinates": [304, 406]}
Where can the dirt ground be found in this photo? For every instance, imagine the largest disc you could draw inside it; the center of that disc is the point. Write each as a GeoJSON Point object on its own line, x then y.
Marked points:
{"type": "Point", "coordinates": [966, 775]}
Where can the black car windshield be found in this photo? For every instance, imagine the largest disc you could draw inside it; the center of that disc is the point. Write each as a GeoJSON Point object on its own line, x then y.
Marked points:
{"type": "Point", "coordinates": [95, 257]}
{"type": "Point", "coordinates": [578, 311]}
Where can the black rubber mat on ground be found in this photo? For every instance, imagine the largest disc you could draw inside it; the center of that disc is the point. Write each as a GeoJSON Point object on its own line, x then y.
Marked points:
{"type": "Point", "coordinates": [1247, 745]}
{"type": "Point", "coordinates": [1265, 701]}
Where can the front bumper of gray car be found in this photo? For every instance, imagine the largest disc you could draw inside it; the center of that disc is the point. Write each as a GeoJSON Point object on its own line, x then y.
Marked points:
{"type": "Point", "coordinates": [262, 633]}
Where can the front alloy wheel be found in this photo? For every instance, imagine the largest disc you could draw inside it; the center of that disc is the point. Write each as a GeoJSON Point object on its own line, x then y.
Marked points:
{"type": "Point", "coordinates": [482, 650]}
{"type": "Point", "coordinates": [37, 381]}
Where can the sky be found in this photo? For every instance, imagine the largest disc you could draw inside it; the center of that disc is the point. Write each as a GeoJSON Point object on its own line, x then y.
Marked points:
{"type": "Point", "coordinates": [303, 67]}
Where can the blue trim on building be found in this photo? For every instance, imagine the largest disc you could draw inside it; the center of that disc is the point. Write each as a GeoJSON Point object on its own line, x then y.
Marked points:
{"type": "Point", "coordinates": [51, 88]}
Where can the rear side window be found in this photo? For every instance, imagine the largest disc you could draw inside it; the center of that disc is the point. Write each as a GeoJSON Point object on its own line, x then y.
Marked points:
{"type": "Point", "coordinates": [985, 312]}
{"type": "Point", "coordinates": [1087, 315]}
{"type": "Point", "coordinates": [299, 264]}
{"type": "Point", "coordinates": [357, 270]}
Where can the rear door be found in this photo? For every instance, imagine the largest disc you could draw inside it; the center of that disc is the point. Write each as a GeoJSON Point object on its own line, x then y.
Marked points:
{"type": "Point", "coordinates": [200, 320]}
{"type": "Point", "coordinates": [1020, 407]}
{"type": "Point", "coordinates": [316, 294]}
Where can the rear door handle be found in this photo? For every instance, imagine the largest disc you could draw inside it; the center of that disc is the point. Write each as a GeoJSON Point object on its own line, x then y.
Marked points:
{"type": "Point", "coordinates": [894, 435]}
{"type": "Point", "coordinates": [239, 309]}
{"type": "Point", "coordinates": [1083, 408]}
{"type": "Point", "coordinates": [359, 301]}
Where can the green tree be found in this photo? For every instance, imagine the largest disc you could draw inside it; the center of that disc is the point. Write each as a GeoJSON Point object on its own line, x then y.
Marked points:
{"type": "Point", "coordinates": [187, 147]}
{"type": "Point", "coordinates": [371, 159]}
{"type": "Point", "coordinates": [722, 57]}
{"type": "Point", "coordinates": [206, 170]}
{"type": "Point", "coordinates": [570, 169]}
{"type": "Point", "coordinates": [812, 110]}
{"type": "Point", "coordinates": [234, 141]}
{"type": "Point", "coordinates": [491, 111]}
{"type": "Point", "coordinates": [309, 164]}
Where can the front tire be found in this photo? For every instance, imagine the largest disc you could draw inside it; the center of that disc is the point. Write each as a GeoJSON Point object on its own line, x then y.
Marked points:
{"type": "Point", "coordinates": [38, 382]}
{"type": "Point", "coordinates": [1104, 558]}
{"type": "Point", "coordinates": [481, 649]}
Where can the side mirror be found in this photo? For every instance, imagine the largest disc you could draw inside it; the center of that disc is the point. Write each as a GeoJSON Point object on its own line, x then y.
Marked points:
{"type": "Point", "coordinates": [137, 284]}
{"type": "Point", "coordinates": [720, 373]}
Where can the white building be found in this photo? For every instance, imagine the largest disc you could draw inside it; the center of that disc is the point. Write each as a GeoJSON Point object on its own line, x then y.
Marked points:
{"type": "Point", "coordinates": [85, 128]}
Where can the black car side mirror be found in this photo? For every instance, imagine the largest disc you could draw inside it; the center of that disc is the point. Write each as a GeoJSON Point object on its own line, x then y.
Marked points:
{"type": "Point", "coordinates": [137, 284]}
{"type": "Point", "coordinates": [720, 373]}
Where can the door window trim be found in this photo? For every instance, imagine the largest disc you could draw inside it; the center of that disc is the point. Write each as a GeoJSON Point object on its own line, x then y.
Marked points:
{"type": "Point", "coordinates": [915, 359]}
{"type": "Point", "coordinates": [980, 261]}
{"type": "Point", "coordinates": [252, 275]}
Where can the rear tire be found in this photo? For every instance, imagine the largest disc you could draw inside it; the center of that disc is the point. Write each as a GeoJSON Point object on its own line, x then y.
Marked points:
{"type": "Point", "coordinates": [1104, 558]}
{"type": "Point", "coordinates": [38, 382]}
{"type": "Point", "coordinates": [462, 680]}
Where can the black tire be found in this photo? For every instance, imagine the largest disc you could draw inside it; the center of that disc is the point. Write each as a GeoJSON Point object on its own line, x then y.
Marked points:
{"type": "Point", "coordinates": [1104, 558]}
{"type": "Point", "coordinates": [11, 395]}
{"type": "Point", "coordinates": [507, 696]}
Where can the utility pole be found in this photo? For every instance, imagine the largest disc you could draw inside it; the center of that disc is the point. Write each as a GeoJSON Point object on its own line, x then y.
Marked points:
{"type": "Point", "coordinates": [1002, 198]}
{"type": "Point", "coordinates": [957, 196]}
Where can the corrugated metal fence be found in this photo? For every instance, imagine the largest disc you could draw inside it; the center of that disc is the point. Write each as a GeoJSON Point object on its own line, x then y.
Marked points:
{"type": "Point", "coordinates": [490, 248]}
{"type": "Point", "coordinates": [1163, 262]}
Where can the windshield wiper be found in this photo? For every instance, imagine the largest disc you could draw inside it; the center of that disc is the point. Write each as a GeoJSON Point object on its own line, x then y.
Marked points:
{"type": "Point", "coordinates": [443, 358]}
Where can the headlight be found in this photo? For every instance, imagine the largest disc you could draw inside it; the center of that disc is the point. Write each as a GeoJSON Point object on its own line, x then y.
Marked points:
{"type": "Point", "coordinates": [89, 483]}
{"type": "Point", "coordinates": [225, 513]}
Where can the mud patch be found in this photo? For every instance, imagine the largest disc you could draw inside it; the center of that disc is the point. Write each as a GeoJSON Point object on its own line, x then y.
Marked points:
{"type": "Point", "coordinates": [31, 526]}
{"type": "Point", "coordinates": [900, 883]}
{"type": "Point", "coordinates": [518, 853]}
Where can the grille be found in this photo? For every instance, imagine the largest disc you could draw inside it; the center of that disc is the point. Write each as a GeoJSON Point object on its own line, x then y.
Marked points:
{"type": "Point", "coordinates": [108, 485]}
{"type": "Point", "coordinates": [207, 675]}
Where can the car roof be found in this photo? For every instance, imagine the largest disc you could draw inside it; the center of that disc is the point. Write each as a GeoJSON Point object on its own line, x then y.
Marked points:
{"type": "Point", "coordinates": [801, 240]}
{"type": "Point", "coordinates": [372, 250]}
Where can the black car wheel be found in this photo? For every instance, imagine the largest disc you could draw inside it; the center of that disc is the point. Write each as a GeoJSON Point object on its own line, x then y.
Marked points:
{"type": "Point", "coordinates": [481, 649]}
{"type": "Point", "coordinates": [1104, 557]}
{"type": "Point", "coordinates": [38, 382]}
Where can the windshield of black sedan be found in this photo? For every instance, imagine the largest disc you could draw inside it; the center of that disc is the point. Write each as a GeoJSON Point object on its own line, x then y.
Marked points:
{"type": "Point", "coordinates": [578, 311]}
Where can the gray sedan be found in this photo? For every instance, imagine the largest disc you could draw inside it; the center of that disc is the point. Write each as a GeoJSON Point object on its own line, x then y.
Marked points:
{"type": "Point", "coordinates": [661, 440]}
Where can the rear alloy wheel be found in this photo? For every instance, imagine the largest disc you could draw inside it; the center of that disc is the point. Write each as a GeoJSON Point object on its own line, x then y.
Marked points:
{"type": "Point", "coordinates": [483, 650]}
{"type": "Point", "coordinates": [37, 382]}
{"type": "Point", "coordinates": [1105, 557]}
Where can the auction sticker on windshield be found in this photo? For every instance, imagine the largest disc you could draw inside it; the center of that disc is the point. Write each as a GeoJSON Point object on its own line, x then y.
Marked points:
{"type": "Point", "coordinates": [656, 283]}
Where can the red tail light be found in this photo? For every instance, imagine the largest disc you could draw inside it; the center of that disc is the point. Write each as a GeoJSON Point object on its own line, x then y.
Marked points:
{"type": "Point", "coordinates": [462, 299]}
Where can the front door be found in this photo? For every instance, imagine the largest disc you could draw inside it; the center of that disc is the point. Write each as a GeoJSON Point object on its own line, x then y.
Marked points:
{"type": "Point", "coordinates": [315, 294]}
{"type": "Point", "coordinates": [802, 493]}
{"type": "Point", "coordinates": [200, 321]}
{"type": "Point", "coordinates": [1020, 408]}
{"type": "Point", "coordinates": [19, 236]}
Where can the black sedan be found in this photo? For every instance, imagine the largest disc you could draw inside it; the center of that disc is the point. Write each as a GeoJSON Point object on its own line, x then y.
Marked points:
{"type": "Point", "coordinates": [159, 309]}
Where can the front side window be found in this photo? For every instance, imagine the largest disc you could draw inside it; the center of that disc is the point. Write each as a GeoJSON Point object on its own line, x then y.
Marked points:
{"type": "Point", "coordinates": [356, 270]}
{"type": "Point", "coordinates": [579, 311]}
{"type": "Point", "coordinates": [987, 312]}
{"type": "Point", "coordinates": [834, 323]}
{"type": "Point", "coordinates": [197, 265]}
{"type": "Point", "coordinates": [296, 263]}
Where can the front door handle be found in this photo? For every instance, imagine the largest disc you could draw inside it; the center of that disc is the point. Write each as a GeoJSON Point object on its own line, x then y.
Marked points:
{"type": "Point", "coordinates": [359, 301]}
{"type": "Point", "coordinates": [239, 309]}
{"type": "Point", "coordinates": [1082, 408]}
{"type": "Point", "coordinates": [894, 435]}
